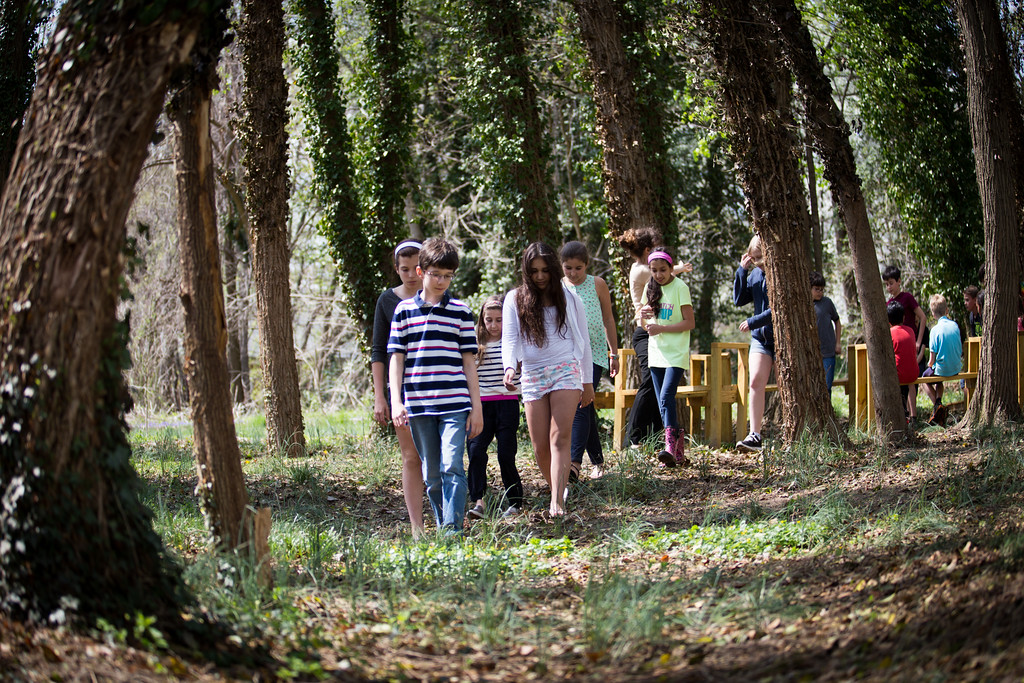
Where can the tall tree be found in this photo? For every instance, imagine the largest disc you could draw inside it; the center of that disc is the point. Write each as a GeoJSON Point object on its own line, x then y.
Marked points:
{"type": "Point", "coordinates": [627, 187]}
{"type": "Point", "coordinates": [387, 130]}
{"type": "Point", "coordinates": [997, 130]}
{"type": "Point", "coordinates": [502, 97]}
{"type": "Point", "coordinates": [72, 528]}
{"type": "Point", "coordinates": [754, 89]}
{"type": "Point", "coordinates": [20, 23]}
{"type": "Point", "coordinates": [831, 136]}
{"type": "Point", "coordinates": [265, 158]}
{"type": "Point", "coordinates": [221, 487]}
{"type": "Point", "coordinates": [330, 148]}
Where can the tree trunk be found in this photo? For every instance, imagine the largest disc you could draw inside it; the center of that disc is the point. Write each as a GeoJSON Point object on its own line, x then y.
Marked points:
{"type": "Point", "coordinates": [831, 136]}
{"type": "Point", "coordinates": [754, 92]}
{"type": "Point", "coordinates": [996, 128]}
{"type": "Point", "coordinates": [390, 113]}
{"type": "Point", "coordinates": [520, 179]}
{"type": "Point", "coordinates": [221, 487]}
{"type": "Point", "coordinates": [265, 158]}
{"type": "Point", "coordinates": [627, 187]}
{"type": "Point", "coordinates": [330, 147]}
{"type": "Point", "coordinates": [71, 524]}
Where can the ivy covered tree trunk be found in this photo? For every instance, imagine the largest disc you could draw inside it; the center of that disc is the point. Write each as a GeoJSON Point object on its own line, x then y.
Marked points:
{"type": "Point", "coordinates": [627, 188]}
{"type": "Point", "coordinates": [330, 148]}
{"type": "Point", "coordinates": [754, 92]}
{"type": "Point", "coordinates": [388, 131]}
{"type": "Point", "coordinates": [73, 533]}
{"type": "Point", "coordinates": [503, 99]}
{"type": "Point", "coordinates": [221, 486]}
{"type": "Point", "coordinates": [265, 158]}
{"type": "Point", "coordinates": [831, 136]}
{"type": "Point", "coordinates": [996, 129]}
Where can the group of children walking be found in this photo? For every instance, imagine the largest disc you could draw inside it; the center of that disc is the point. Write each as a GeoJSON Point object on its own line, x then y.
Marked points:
{"type": "Point", "coordinates": [450, 381]}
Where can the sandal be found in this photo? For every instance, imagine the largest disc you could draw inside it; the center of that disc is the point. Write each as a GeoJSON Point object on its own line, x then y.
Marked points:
{"type": "Point", "coordinates": [574, 472]}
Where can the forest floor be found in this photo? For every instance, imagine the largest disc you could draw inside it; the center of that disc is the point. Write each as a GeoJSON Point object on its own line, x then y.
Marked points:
{"type": "Point", "coordinates": [806, 564]}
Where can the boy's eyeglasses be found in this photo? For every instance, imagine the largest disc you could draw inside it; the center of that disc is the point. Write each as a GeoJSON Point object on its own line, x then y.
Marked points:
{"type": "Point", "coordinates": [444, 277]}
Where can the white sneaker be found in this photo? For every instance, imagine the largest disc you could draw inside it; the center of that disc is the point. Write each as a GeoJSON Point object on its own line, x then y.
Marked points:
{"type": "Point", "coordinates": [597, 471]}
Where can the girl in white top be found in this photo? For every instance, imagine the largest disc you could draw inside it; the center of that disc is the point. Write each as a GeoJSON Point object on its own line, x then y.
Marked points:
{"type": "Point", "coordinates": [545, 329]}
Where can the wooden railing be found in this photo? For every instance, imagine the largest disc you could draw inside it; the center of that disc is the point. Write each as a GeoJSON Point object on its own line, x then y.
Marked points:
{"type": "Point", "coordinates": [718, 404]}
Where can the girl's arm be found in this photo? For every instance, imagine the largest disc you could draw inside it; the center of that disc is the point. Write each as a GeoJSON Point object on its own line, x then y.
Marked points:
{"type": "Point", "coordinates": [741, 294]}
{"type": "Point", "coordinates": [688, 322]}
{"type": "Point", "coordinates": [605, 297]}
{"type": "Point", "coordinates": [509, 339]}
{"type": "Point", "coordinates": [381, 410]}
{"type": "Point", "coordinates": [398, 413]}
{"type": "Point", "coordinates": [475, 421]}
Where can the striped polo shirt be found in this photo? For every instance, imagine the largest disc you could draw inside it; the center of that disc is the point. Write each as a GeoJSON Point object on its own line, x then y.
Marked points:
{"type": "Point", "coordinates": [433, 339]}
{"type": "Point", "coordinates": [491, 374]}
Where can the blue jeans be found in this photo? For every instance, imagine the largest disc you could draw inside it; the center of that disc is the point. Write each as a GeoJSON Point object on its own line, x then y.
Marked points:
{"type": "Point", "coordinates": [441, 443]}
{"type": "Point", "coordinates": [501, 422]}
{"type": "Point", "coordinates": [830, 371]}
{"type": "Point", "coordinates": [644, 418]}
{"type": "Point", "coordinates": [666, 381]}
{"type": "Point", "coordinates": [585, 435]}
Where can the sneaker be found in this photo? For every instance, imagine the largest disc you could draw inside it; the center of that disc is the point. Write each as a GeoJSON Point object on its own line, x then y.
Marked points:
{"type": "Point", "coordinates": [939, 416]}
{"type": "Point", "coordinates": [751, 444]}
{"type": "Point", "coordinates": [478, 511]}
{"type": "Point", "coordinates": [574, 472]}
{"type": "Point", "coordinates": [597, 472]}
{"type": "Point", "coordinates": [512, 511]}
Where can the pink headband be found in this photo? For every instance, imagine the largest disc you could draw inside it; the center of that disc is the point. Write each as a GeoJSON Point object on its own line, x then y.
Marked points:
{"type": "Point", "coordinates": [659, 254]}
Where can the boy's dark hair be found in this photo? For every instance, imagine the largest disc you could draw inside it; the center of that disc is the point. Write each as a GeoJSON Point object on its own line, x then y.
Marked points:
{"type": "Point", "coordinates": [891, 273]}
{"type": "Point", "coordinates": [439, 253]}
{"type": "Point", "coordinates": [817, 279]}
{"type": "Point", "coordinates": [972, 291]}
{"type": "Point", "coordinates": [981, 274]}
{"type": "Point", "coordinates": [895, 312]}
{"type": "Point", "coordinates": [576, 250]}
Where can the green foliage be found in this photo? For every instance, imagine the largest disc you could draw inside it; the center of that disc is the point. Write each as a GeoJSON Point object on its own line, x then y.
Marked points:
{"type": "Point", "coordinates": [498, 93]}
{"type": "Point", "coordinates": [320, 96]}
{"type": "Point", "coordinates": [742, 539]}
{"type": "Point", "coordinates": [383, 133]}
{"type": "Point", "coordinates": [20, 25]}
{"type": "Point", "coordinates": [913, 100]}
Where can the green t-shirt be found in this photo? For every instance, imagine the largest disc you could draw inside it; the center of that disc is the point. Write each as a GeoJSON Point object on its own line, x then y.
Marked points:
{"type": "Point", "coordinates": [670, 349]}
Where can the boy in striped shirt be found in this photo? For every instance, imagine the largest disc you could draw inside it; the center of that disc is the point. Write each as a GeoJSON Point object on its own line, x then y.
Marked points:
{"type": "Point", "coordinates": [434, 387]}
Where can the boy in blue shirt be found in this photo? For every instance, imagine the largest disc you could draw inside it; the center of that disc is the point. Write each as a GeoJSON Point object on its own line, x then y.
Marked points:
{"type": "Point", "coordinates": [434, 387]}
{"type": "Point", "coordinates": [830, 329]}
{"type": "Point", "coordinates": [944, 359]}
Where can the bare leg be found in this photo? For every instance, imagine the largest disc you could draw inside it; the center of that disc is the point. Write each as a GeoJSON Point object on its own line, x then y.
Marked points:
{"type": "Point", "coordinates": [912, 400]}
{"type": "Point", "coordinates": [538, 420]}
{"type": "Point", "coordinates": [412, 479]}
{"type": "Point", "coordinates": [563, 405]}
{"type": "Point", "coordinates": [760, 371]}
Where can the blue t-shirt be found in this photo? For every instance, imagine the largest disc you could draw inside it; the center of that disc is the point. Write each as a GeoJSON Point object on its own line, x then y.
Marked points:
{"type": "Point", "coordinates": [945, 344]}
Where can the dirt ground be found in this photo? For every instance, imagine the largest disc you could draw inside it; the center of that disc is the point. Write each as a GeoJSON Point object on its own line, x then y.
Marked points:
{"type": "Point", "coordinates": [931, 606]}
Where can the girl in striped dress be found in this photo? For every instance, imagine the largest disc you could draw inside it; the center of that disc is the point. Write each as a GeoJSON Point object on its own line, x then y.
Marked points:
{"type": "Point", "coordinates": [501, 417]}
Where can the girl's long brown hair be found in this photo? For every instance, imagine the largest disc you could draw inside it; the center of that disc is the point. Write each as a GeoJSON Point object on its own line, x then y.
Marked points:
{"type": "Point", "coordinates": [530, 299]}
{"type": "Point", "coordinates": [482, 336]}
